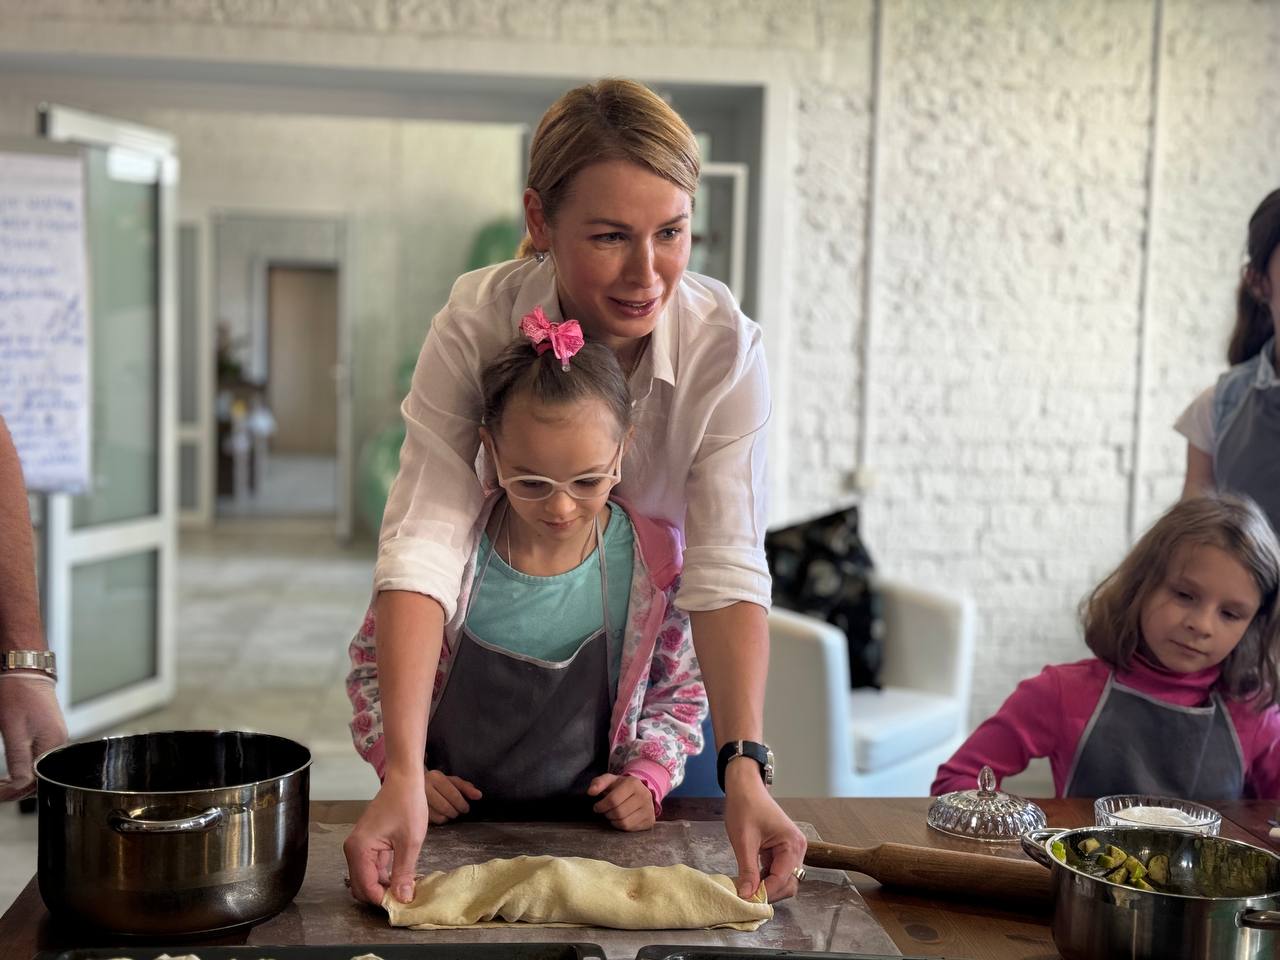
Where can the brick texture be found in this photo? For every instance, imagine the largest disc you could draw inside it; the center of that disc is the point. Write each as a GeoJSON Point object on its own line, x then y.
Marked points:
{"type": "Point", "coordinates": [1012, 193]}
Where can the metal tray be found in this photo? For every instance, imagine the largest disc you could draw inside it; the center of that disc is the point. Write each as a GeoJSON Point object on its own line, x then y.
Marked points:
{"type": "Point", "coordinates": [449, 951]}
{"type": "Point", "coordinates": [671, 952]}
{"type": "Point", "coordinates": [387, 951]}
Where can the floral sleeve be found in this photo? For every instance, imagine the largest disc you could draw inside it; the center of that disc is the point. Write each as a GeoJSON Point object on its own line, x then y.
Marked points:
{"type": "Point", "coordinates": [362, 691]}
{"type": "Point", "coordinates": [669, 727]}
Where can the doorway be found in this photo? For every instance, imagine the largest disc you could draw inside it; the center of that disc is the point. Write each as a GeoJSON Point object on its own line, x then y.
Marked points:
{"type": "Point", "coordinates": [281, 361]}
{"type": "Point", "coordinates": [302, 347]}
{"type": "Point", "coordinates": [299, 475]}
{"type": "Point", "coordinates": [286, 427]}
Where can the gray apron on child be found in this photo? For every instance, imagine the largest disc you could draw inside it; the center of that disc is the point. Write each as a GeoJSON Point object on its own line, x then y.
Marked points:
{"type": "Point", "coordinates": [1247, 457]}
{"type": "Point", "coordinates": [1134, 743]}
{"type": "Point", "coordinates": [520, 728]}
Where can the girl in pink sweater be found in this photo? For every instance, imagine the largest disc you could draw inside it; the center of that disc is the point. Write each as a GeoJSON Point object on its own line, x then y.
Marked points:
{"type": "Point", "coordinates": [1181, 696]}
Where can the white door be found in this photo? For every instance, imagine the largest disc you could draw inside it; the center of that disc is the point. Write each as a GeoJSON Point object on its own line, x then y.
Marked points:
{"type": "Point", "coordinates": [720, 225]}
{"type": "Point", "coordinates": [195, 465]}
{"type": "Point", "coordinates": [108, 555]}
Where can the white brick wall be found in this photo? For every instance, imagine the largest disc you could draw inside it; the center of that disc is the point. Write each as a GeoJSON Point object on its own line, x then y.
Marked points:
{"type": "Point", "coordinates": [1011, 228]}
{"type": "Point", "coordinates": [1002, 384]}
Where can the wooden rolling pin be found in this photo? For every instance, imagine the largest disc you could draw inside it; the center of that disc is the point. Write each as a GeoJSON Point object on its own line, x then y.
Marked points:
{"type": "Point", "coordinates": [950, 873]}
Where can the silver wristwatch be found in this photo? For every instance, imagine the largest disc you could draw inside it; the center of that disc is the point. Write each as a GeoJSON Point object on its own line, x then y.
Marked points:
{"type": "Point", "coordinates": [42, 660]}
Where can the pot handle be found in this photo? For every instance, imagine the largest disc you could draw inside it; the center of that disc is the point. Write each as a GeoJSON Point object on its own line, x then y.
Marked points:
{"type": "Point", "coordinates": [1260, 919]}
{"type": "Point", "coordinates": [1033, 846]}
{"type": "Point", "coordinates": [121, 822]}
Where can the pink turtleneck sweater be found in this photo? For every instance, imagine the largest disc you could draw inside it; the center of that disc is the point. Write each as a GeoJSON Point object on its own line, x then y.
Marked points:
{"type": "Point", "coordinates": [1045, 716]}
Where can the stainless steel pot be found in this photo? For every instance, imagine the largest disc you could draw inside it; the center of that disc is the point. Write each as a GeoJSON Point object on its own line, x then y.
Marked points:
{"type": "Point", "coordinates": [1093, 918]}
{"type": "Point", "coordinates": [173, 833]}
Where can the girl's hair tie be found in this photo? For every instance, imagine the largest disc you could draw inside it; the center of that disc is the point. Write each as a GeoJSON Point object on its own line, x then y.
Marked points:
{"type": "Point", "coordinates": [564, 338]}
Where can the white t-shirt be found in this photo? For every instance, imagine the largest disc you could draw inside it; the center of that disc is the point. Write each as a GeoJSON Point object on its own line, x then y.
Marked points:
{"type": "Point", "coordinates": [1196, 422]}
{"type": "Point", "coordinates": [701, 398]}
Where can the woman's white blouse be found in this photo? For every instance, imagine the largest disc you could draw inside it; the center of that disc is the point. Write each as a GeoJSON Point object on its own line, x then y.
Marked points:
{"type": "Point", "coordinates": [701, 397]}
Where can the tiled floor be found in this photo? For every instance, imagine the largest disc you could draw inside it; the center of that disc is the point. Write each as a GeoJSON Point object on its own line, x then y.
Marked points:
{"type": "Point", "coordinates": [265, 610]}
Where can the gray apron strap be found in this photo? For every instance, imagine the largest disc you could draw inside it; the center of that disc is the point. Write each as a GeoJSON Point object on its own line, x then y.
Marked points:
{"type": "Point", "coordinates": [522, 728]}
{"type": "Point", "coordinates": [1247, 456]}
{"type": "Point", "coordinates": [1135, 743]}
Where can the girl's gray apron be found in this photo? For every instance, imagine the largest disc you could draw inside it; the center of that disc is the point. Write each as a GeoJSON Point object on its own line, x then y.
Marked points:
{"type": "Point", "coordinates": [520, 728]}
{"type": "Point", "coordinates": [1134, 743]}
{"type": "Point", "coordinates": [1247, 456]}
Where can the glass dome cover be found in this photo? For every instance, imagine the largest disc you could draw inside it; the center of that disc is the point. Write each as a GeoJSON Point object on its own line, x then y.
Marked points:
{"type": "Point", "coordinates": [985, 813]}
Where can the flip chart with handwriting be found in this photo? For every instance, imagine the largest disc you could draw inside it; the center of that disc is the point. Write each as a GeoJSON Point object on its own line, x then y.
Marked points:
{"type": "Point", "coordinates": [44, 317]}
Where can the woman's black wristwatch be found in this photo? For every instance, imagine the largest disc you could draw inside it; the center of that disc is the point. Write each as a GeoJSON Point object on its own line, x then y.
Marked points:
{"type": "Point", "coordinates": [758, 752]}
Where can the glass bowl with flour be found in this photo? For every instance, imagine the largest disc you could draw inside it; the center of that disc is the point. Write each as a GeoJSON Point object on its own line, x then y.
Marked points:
{"type": "Point", "coordinates": [1139, 810]}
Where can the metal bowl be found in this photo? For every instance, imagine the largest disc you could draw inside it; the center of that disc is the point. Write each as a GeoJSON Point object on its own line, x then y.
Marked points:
{"type": "Point", "coordinates": [1093, 917]}
{"type": "Point", "coordinates": [173, 833]}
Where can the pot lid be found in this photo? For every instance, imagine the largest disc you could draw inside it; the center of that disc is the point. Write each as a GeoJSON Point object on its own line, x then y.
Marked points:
{"type": "Point", "coordinates": [985, 813]}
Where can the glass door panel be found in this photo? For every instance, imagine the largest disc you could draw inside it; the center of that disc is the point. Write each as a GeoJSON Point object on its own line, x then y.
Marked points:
{"type": "Point", "coordinates": [719, 225]}
{"type": "Point", "coordinates": [123, 203]}
{"type": "Point", "coordinates": [113, 625]}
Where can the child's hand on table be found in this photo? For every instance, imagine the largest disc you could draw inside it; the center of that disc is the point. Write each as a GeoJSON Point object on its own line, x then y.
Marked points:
{"type": "Point", "coordinates": [447, 796]}
{"type": "Point", "coordinates": [625, 801]}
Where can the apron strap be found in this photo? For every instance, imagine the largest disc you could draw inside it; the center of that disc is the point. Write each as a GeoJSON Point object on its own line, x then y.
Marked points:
{"type": "Point", "coordinates": [604, 578]}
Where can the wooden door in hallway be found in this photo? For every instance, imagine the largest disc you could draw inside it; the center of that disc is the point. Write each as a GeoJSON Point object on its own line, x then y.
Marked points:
{"type": "Point", "coordinates": [302, 312]}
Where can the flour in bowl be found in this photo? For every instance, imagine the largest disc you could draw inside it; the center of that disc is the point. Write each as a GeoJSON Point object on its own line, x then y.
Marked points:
{"type": "Point", "coordinates": [1158, 816]}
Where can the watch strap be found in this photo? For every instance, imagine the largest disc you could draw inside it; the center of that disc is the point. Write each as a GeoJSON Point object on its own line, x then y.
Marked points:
{"type": "Point", "coordinates": [758, 752]}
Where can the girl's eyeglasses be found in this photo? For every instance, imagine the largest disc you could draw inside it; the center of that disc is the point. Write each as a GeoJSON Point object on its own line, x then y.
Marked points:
{"type": "Point", "coordinates": [586, 486]}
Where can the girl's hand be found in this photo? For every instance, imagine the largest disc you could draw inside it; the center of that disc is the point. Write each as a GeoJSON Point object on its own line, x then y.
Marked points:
{"type": "Point", "coordinates": [626, 801]}
{"type": "Point", "coordinates": [382, 850]}
{"type": "Point", "coordinates": [447, 796]}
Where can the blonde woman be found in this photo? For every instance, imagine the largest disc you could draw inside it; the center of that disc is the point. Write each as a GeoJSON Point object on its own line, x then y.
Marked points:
{"type": "Point", "coordinates": [612, 174]}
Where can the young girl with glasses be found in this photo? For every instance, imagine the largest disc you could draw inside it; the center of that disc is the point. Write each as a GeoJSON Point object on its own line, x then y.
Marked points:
{"type": "Point", "coordinates": [1180, 697]}
{"type": "Point", "coordinates": [567, 670]}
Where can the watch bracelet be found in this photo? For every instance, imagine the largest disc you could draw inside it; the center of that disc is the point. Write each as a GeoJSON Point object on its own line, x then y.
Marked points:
{"type": "Point", "coordinates": [41, 660]}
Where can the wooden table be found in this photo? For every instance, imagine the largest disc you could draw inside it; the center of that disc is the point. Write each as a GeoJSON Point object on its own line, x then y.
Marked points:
{"type": "Point", "coordinates": [919, 925]}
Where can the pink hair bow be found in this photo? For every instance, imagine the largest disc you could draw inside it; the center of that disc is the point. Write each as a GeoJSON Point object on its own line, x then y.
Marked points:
{"type": "Point", "coordinates": [564, 338]}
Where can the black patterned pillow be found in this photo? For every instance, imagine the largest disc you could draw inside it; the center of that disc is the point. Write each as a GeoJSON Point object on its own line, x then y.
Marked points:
{"type": "Point", "coordinates": [822, 568]}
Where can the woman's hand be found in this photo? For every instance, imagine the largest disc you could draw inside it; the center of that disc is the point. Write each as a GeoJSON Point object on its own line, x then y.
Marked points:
{"type": "Point", "coordinates": [382, 850]}
{"type": "Point", "coordinates": [626, 801]}
{"type": "Point", "coordinates": [763, 837]}
{"type": "Point", "coordinates": [447, 796]}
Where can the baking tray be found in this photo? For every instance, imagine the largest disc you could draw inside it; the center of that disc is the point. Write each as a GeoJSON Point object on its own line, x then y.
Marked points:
{"type": "Point", "coordinates": [675, 952]}
{"type": "Point", "coordinates": [346, 951]}
{"type": "Point", "coordinates": [448, 951]}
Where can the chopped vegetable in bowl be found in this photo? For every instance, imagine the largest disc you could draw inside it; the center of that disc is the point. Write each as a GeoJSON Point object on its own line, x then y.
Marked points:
{"type": "Point", "coordinates": [1171, 862]}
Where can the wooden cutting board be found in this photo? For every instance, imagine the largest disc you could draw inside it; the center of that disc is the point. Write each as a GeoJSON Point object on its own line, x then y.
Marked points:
{"type": "Point", "coordinates": [827, 915]}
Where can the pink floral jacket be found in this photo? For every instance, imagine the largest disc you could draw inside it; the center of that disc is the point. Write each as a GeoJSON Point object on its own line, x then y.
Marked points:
{"type": "Point", "coordinates": [657, 717]}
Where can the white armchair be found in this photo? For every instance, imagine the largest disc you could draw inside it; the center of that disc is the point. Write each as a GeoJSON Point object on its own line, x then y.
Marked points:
{"type": "Point", "coordinates": [831, 741]}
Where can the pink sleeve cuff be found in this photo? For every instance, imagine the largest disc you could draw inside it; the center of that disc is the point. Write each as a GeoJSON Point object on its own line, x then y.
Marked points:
{"type": "Point", "coordinates": [377, 756]}
{"type": "Point", "coordinates": [655, 778]}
